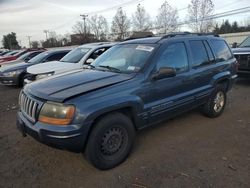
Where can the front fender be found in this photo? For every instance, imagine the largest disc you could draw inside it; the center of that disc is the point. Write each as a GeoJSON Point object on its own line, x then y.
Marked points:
{"type": "Point", "coordinates": [92, 110]}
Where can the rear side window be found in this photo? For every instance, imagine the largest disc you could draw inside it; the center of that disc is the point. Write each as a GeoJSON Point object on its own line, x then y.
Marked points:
{"type": "Point", "coordinates": [221, 50]}
{"type": "Point", "coordinates": [199, 54]}
{"type": "Point", "coordinates": [174, 56]}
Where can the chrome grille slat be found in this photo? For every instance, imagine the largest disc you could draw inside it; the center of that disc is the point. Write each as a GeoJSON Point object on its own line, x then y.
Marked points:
{"type": "Point", "coordinates": [28, 106]}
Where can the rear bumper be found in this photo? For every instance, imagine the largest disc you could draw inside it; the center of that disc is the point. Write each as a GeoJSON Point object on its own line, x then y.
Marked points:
{"type": "Point", "coordinates": [71, 137]}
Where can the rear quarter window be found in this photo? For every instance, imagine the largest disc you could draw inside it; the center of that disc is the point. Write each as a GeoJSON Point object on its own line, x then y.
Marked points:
{"type": "Point", "coordinates": [221, 50]}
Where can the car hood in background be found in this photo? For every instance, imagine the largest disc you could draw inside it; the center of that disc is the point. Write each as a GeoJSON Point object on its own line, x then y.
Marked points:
{"type": "Point", "coordinates": [52, 66]}
{"type": "Point", "coordinates": [8, 63]}
{"type": "Point", "coordinates": [241, 50]}
{"type": "Point", "coordinates": [14, 66]}
{"type": "Point", "coordinates": [63, 86]}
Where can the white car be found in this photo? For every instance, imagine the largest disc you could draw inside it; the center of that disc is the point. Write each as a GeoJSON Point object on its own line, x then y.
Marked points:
{"type": "Point", "coordinates": [75, 59]}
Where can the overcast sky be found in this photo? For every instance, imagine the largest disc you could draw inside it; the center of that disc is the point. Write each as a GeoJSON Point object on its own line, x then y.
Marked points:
{"type": "Point", "coordinates": [31, 17]}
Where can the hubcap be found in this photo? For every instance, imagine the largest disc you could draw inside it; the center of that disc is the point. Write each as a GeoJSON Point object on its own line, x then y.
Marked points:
{"type": "Point", "coordinates": [112, 141]}
{"type": "Point", "coordinates": [219, 101]}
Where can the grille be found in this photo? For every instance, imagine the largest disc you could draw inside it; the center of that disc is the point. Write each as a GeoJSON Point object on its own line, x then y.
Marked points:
{"type": "Point", "coordinates": [244, 61]}
{"type": "Point", "coordinates": [28, 106]}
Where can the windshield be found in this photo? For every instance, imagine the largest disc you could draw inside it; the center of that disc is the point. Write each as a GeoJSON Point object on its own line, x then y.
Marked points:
{"type": "Point", "coordinates": [75, 55]}
{"type": "Point", "coordinates": [126, 58]}
{"type": "Point", "coordinates": [245, 43]}
{"type": "Point", "coordinates": [22, 57]}
{"type": "Point", "coordinates": [38, 58]}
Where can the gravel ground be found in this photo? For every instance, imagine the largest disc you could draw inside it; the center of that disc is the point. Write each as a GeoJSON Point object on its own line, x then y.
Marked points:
{"type": "Point", "coordinates": [188, 151]}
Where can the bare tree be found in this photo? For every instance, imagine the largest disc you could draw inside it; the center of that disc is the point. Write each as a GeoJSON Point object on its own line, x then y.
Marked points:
{"type": "Point", "coordinates": [34, 44]}
{"type": "Point", "coordinates": [99, 26]}
{"type": "Point", "coordinates": [120, 24]}
{"type": "Point", "coordinates": [78, 28]}
{"type": "Point", "coordinates": [141, 19]}
{"type": "Point", "coordinates": [166, 20]}
{"type": "Point", "coordinates": [199, 12]}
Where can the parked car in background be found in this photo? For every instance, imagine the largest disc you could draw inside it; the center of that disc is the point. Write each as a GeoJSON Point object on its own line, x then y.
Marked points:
{"type": "Point", "coordinates": [133, 85]}
{"type": "Point", "coordinates": [10, 53]}
{"type": "Point", "coordinates": [15, 74]}
{"type": "Point", "coordinates": [242, 54]}
{"type": "Point", "coordinates": [75, 59]}
{"type": "Point", "coordinates": [17, 55]}
{"type": "Point", "coordinates": [3, 53]}
{"type": "Point", "coordinates": [24, 58]}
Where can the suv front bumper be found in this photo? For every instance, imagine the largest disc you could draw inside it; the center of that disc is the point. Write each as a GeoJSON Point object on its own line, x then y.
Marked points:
{"type": "Point", "coordinates": [71, 137]}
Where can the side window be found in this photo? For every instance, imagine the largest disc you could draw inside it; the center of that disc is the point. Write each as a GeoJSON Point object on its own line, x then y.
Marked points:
{"type": "Point", "coordinates": [34, 54]}
{"type": "Point", "coordinates": [199, 53]}
{"type": "Point", "coordinates": [97, 53]}
{"type": "Point", "coordinates": [209, 51]}
{"type": "Point", "coordinates": [221, 50]}
{"type": "Point", "coordinates": [56, 57]}
{"type": "Point", "coordinates": [174, 56]}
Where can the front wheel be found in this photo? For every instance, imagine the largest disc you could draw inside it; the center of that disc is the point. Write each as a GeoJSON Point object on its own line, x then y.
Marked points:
{"type": "Point", "coordinates": [110, 141]}
{"type": "Point", "coordinates": [216, 102]}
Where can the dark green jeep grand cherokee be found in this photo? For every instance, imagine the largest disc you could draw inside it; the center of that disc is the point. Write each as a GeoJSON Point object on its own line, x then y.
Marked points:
{"type": "Point", "coordinates": [131, 86]}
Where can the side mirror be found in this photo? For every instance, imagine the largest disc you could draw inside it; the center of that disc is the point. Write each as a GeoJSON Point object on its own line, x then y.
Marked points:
{"type": "Point", "coordinates": [164, 72]}
{"type": "Point", "coordinates": [234, 45]}
{"type": "Point", "coordinates": [89, 61]}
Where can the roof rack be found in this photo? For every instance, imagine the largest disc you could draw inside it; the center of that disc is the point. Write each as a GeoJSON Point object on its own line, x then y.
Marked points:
{"type": "Point", "coordinates": [186, 33]}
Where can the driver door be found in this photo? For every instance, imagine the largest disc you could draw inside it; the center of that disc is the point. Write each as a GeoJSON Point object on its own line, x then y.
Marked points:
{"type": "Point", "coordinates": [170, 95]}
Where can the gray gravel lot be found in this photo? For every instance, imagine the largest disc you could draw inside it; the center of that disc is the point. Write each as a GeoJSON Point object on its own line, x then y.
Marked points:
{"type": "Point", "coordinates": [188, 151]}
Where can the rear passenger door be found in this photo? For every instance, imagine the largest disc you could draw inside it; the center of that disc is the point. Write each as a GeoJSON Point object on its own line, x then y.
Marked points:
{"type": "Point", "coordinates": [202, 69]}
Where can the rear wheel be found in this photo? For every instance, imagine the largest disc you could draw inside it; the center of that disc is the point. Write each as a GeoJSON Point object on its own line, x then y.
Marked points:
{"type": "Point", "coordinates": [216, 103]}
{"type": "Point", "coordinates": [110, 141]}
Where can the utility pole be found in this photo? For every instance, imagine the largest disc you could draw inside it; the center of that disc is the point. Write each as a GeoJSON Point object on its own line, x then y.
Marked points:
{"type": "Point", "coordinates": [46, 33]}
{"type": "Point", "coordinates": [84, 16]}
{"type": "Point", "coordinates": [29, 40]}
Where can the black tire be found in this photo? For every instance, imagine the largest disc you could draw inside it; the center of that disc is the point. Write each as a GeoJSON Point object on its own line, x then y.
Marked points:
{"type": "Point", "coordinates": [214, 106]}
{"type": "Point", "coordinates": [110, 141]}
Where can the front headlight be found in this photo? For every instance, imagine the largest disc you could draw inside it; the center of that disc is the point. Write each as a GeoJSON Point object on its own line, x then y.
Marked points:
{"type": "Point", "coordinates": [11, 73]}
{"type": "Point", "coordinates": [41, 76]}
{"type": "Point", "coordinates": [56, 113]}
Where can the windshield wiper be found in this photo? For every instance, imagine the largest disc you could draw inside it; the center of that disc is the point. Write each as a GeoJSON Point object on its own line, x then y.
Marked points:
{"type": "Point", "coordinates": [110, 68]}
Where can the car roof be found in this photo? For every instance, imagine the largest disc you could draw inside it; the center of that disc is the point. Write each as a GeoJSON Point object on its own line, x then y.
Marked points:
{"type": "Point", "coordinates": [57, 50]}
{"type": "Point", "coordinates": [98, 44]}
{"type": "Point", "coordinates": [172, 36]}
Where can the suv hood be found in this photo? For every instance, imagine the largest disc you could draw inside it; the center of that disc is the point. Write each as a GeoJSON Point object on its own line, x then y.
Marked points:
{"type": "Point", "coordinates": [52, 66]}
{"type": "Point", "coordinates": [60, 87]}
{"type": "Point", "coordinates": [241, 50]}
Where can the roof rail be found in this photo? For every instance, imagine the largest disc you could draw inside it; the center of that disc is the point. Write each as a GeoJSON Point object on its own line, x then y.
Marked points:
{"type": "Point", "coordinates": [186, 33]}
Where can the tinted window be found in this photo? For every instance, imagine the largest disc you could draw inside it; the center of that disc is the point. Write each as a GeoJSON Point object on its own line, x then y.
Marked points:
{"type": "Point", "coordinates": [209, 51]}
{"type": "Point", "coordinates": [98, 52]}
{"type": "Point", "coordinates": [221, 50]}
{"type": "Point", "coordinates": [199, 53]}
{"type": "Point", "coordinates": [56, 56]}
{"type": "Point", "coordinates": [174, 56]}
